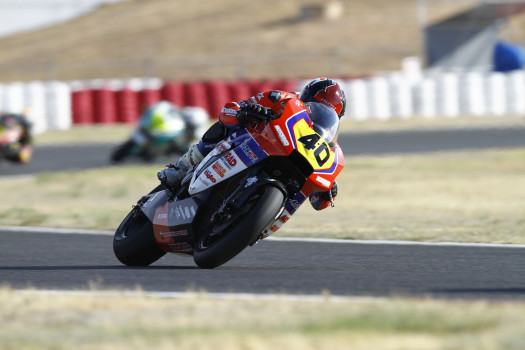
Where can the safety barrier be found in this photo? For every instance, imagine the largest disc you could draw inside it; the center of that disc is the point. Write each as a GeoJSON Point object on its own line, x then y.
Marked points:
{"type": "Point", "coordinates": [59, 105]}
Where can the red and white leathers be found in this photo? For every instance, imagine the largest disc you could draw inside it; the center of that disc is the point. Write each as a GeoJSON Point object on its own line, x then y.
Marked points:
{"type": "Point", "coordinates": [276, 100]}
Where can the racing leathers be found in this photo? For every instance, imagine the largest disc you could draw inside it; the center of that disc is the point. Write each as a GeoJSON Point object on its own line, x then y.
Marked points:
{"type": "Point", "coordinates": [231, 118]}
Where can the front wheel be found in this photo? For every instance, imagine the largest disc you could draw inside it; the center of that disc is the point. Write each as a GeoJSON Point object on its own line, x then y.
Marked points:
{"type": "Point", "coordinates": [215, 248]}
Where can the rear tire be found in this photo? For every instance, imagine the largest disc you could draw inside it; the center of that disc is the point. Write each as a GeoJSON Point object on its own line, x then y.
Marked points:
{"type": "Point", "coordinates": [236, 237]}
{"type": "Point", "coordinates": [123, 151]}
{"type": "Point", "coordinates": [134, 241]}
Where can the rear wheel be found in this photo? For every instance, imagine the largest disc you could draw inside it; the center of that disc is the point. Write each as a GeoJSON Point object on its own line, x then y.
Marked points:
{"type": "Point", "coordinates": [134, 241]}
{"type": "Point", "coordinates": [123, 151]}
{"type": "Point", "coordinates": [221, 241]}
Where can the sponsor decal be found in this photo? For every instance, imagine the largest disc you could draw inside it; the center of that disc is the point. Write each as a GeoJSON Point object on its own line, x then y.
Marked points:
{"type": "Point", "coordinates": [221, 147]}
{"type": "Point", "coordinates": [174, 233]}
{"type": "Point", "coordinates": [229, 111]}
{"type": "Point", "coordinates": [274, 96]}
{"type": "Point", "coordinates": [281, 135]}
{"type": "Point", "coordinates": [210, 176]}
{"type": "Point", "coordinates": [295, 203]}
{"type": "Point", "coordinates": [274, 228]}
{"type": "Point", "coordinates": [230, 159]}
{"type": "Point", "coordinates": [323, 181]}
{"type": "Point", "coordinates": [180, 247]}
{"type": "Point", "coordinates": [162, 216]}
{"type": "Point", "coordinates": [327, 103]}
{"type": "Point", "coordinates": [247, 150]}
{"type": "Point", "coordinates": [186, 212]}
{"type": "Point", "coordinates": [219, 169]}
{"type": "Point", "coordinates": [284, 218]}
{"type": "Point", "coordinates": [250, 181]}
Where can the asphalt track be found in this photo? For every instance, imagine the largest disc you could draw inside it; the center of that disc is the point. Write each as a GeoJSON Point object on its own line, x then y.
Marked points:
{"type": "Point", "coordinates": [73, 261]}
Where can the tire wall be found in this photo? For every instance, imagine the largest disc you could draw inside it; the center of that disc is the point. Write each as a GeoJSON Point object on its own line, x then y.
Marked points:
{"type": "Point", "coordinates": [61, 105]}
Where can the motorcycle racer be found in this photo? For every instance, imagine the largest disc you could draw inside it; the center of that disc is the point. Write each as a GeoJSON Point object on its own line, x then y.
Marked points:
{"type": "Point", "coordinates": [264, 105]}
{"type": "Point", "coordinates": [21, 150]}
{"type": "Point", "coordinates": [164, 127]}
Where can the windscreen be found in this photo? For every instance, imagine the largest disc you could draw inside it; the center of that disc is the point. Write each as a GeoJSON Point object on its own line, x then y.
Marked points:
{"type": "Point", "coordinates": [324, 120]}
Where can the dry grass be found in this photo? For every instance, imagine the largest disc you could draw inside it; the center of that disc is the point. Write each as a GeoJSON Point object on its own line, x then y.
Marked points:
{"type": "Point", "coordinates": [473, 196]}
{"type": "Point", "coordinates": [470, 196]}
{"type": "Point", "coordinates": [204, 39]}
{"type": "Point", "coordinates": [37, 321]}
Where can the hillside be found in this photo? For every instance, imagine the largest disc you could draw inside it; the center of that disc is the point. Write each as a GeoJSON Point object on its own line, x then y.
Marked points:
{"type": "Point", "coordinates": [203, 39]}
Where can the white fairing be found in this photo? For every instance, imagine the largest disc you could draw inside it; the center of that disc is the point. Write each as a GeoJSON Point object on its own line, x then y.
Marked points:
{"type": "Point", "coordinates": [222, 168]}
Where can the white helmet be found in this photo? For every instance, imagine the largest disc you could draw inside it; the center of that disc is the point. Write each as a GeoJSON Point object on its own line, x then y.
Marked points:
{"type": "Point", "coordinates": [197, 119]}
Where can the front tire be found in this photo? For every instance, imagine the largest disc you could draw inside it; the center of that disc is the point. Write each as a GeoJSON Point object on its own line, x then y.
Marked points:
{"type": "Point", "coordinates": [134, 241]}
{"type": "Point", "coordinates": [234, 238]}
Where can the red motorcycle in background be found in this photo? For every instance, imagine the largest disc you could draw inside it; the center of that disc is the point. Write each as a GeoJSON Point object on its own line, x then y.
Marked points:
{"type": "Point", "coordinates": [242, 192]}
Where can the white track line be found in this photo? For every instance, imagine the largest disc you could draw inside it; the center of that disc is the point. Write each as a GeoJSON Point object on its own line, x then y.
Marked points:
{"type": "Point", "coordinates": [204, 295]}
{"type": "Point", "coordinates": [61, 230]}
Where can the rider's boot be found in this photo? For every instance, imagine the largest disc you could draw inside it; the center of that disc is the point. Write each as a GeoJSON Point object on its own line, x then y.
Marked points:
{"type": "Point", "coordinates": [172, 176]}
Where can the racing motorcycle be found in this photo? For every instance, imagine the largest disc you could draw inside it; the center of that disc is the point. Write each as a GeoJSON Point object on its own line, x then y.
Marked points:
{"type": "Point", "coordinates": [147, 144]}
{"type": "Point", "coordinates": [147, 147]}
{"type": "Point", "coordinates": [245, 189]}
{"type": "Point", "coordinates": [163, 129]}
{"type": "Point", "coordinates": [9, 139]}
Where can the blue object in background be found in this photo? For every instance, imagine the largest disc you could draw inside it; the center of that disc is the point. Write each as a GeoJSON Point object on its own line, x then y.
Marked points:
{"type": "Point", "coordinates": [508, 57]}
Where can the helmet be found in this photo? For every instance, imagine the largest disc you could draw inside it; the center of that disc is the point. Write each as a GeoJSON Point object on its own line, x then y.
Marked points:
{"type": "Point", "coordinates": [196, 119]}
{"type": "Point", "coordinates": [324, 120]}
{"type": "Point", "coordinates": [161, 117]}
{"type": "Point", "coordinates": [326, 91]}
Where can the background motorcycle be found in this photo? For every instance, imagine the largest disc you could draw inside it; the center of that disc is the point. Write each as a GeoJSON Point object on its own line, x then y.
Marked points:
{"type": "Point", "coordinates": [243, 191]}
{"type": "Point", "coordinates": [9, 141]}
{"type": "Point", "coordinates": [163, 129]}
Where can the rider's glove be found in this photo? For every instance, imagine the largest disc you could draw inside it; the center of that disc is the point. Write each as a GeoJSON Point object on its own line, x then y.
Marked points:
{"type": "Point", "coordinates": [330, 195]}
{"type": "Point", "coordinates": [254, 112]}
